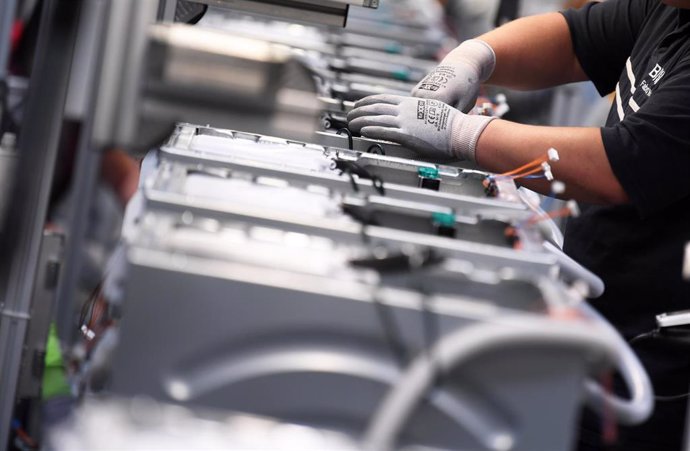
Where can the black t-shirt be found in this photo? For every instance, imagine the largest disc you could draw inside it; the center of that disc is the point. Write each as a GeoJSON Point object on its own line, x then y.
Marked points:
{"type": "Point", "coordinates": [640, 49]}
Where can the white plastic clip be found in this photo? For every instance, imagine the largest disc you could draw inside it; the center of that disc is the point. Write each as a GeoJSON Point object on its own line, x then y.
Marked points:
{"type": "Point", "coordinates": [546, 167]}
{"type": "Point", "coordinates": [554, 156]}
{"type": "Point", "coordinates": [557, 187]}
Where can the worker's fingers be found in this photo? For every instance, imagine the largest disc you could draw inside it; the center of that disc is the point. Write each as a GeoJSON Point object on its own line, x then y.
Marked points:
{"type": "Point", "coordinates": [384, 134]}
{"type": "Point", "coordinates": [379, 109]}
{"type": "Point", "coordinates": [356, 125]}
{"type": "Point", "coordinates": [380, 98]}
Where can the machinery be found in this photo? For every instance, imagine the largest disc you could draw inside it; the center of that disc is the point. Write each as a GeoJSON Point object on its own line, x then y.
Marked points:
{"type": "Point", "coordinates": [281, 283]}
{"type": "Point", "coordinates": [263, 284]}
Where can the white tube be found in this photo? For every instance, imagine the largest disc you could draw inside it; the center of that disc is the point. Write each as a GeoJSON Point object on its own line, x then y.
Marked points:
{"type": "Point", "coordinates": [576, 271]}
{"type": "Point", "coordinates": [641, 403]}
{"type": "Point", "coordinates": [461, 346]}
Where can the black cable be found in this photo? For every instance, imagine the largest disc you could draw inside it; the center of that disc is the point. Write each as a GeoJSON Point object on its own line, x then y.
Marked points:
{"type": "Point", "coordinates": [672, 398]}
{"type": "Point", "coordinates": [350, 138]}
{"type": "Point", "coordinates": [351, 168]}
{"type": "Point", "coordinates": [353, 181]}
{"type": "Point", "coordinates": [657, 334]}
{"type": "Point", "coordinates": [644, 336]}
{"type": "Point", "coordinates": [391, 332]}
{"type": "Point", "coordinates": [87, 307]}
{"type": "Point", "coordinates": [374, 147]}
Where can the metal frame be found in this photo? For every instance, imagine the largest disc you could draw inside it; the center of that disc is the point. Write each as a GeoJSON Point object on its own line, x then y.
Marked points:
{"type": "Point", "coordinates": [326, 12]}
{"type": "Point", "coordinates": [166, 10]}
{"type": "Point", "coordinates": [33, 364]}
{"type": "Point", "coordinates": [21, 243]}
{"type": "Point", "coordinates": [85, 177]}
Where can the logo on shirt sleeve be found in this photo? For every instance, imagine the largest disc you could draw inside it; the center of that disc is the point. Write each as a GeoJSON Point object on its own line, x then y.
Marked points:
{"type": "Point", "coordinates": [657, 74]}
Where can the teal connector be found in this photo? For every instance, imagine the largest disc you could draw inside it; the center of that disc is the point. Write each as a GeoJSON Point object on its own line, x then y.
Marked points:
{"type": "Point", "coordinates": [443, 219]}
{"type": "Point", "coordinates": [394, 48]}
{"type": "Point", "coordinates": [428, 173]}
{"type": "Point", "coordinates": [401, 74]}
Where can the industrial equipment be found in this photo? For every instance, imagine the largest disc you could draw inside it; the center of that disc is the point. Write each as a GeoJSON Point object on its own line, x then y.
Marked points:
{"type": "Point", "coordinates": [281, 283]}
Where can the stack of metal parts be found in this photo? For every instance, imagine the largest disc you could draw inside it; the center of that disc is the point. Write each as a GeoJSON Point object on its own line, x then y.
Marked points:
{"type": "Point", "coordinates": [322, 12]}
{"type": "Point", "coordinates": [387, 51]}
{"type": "Point", "coordinates": [308, 284]}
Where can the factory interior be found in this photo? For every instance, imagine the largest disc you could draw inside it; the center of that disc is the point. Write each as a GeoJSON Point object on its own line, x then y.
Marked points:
{"type": "Point", "coordinates": [363, 225]}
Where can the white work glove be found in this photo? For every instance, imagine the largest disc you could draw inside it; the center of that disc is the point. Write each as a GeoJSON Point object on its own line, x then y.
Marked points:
{"type": "Point", "coordinates": [431, 128]}
{"type": "Point", "coordinates": [456, 81]}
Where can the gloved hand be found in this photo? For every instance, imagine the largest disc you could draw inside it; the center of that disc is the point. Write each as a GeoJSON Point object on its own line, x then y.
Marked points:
{"type": "Point", "coordinates": [457, 79]}
{"type": "Point", "coordinates": [429, 127]}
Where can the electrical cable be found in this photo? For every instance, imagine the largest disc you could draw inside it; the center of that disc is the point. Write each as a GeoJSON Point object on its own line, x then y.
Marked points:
{"type": "Point", "coordinates": [353, 181]}
{"type": "Point", "coordinates": [391, 332]}
{"type": "Point", "coordinates": [374, 147]}
{"type": "Point", "coordinates": [88, 306]}
{"type": "Point", "coordinates": [23, 435]}
{"type": "Point", "coordinates": [350, 138]}
{"type": "Point", "coordinates": [653, 335]}
{"type": "Point", "coordinates": [535, 166]}
{"type": "Point", "coordinates": [351, 169]}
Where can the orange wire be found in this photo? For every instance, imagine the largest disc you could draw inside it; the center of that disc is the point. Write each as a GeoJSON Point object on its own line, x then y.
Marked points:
{"type": "Point", "coordinates": [527, 174]}
{"type": "Point", "coordinates": [538, 161]}
{"type": "Point", "coordinates": [519, 176]}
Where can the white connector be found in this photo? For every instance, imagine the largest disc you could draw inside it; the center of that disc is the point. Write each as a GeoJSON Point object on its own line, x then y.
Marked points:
{"type": "Point", "coordinates": [554, 156]}
{"type": "Point", "coordinates": [546, 167]}
{"type": "Point", "coordinates": [558, 187]}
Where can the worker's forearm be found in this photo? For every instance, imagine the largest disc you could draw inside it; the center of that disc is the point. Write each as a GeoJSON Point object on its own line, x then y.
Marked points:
{"type": "Point", "coordinates": [583, 166]}
{"type": "Point", "coordinates": [534, 53]}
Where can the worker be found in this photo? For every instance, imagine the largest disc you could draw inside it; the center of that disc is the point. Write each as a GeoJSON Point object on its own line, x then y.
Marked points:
{"type": "Point", "coordinates": [632, 176]}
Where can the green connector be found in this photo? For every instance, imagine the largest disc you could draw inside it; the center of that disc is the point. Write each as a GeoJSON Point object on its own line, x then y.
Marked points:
{"type": "Point", "coordinates": [428, 173]}
{"type": "Point", "coordinates": [443, 219]}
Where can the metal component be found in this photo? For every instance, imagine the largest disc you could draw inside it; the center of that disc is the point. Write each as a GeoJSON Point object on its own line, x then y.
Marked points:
{"type": "Point", "coordinates": [136, 424]}
{"type": "Point", "coordinates": [122, 71]}
{"type": "Point", "coordinates": [335, 312]}
{"type": "Point", "coordinates": [460, 189]}
{"type": "Point", "coordinates": [361, 144]}
{"type": "Point", "coordinates": [686, 266]}
{"type": "Point", "coordinates": [15, 315]}
{"type": "Point", "coordinates": [87, 163]}
{"type": "Point", "coordinates": [674, 319]}
{"type": "Point", "coordinates": [31, 377]}
{"type": "Point", "coordinates": [166, 10]}
{"type": "Point", "coordinates": [246, 82]}
{"type": "Point", "coordinates": [20, 244]}
{"type": "Point", "coordinates": [8, 165]}
{"type": "Point", "coordinates": [87, 62]}
{"type": "Point", "coordinates": [316, 12]}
